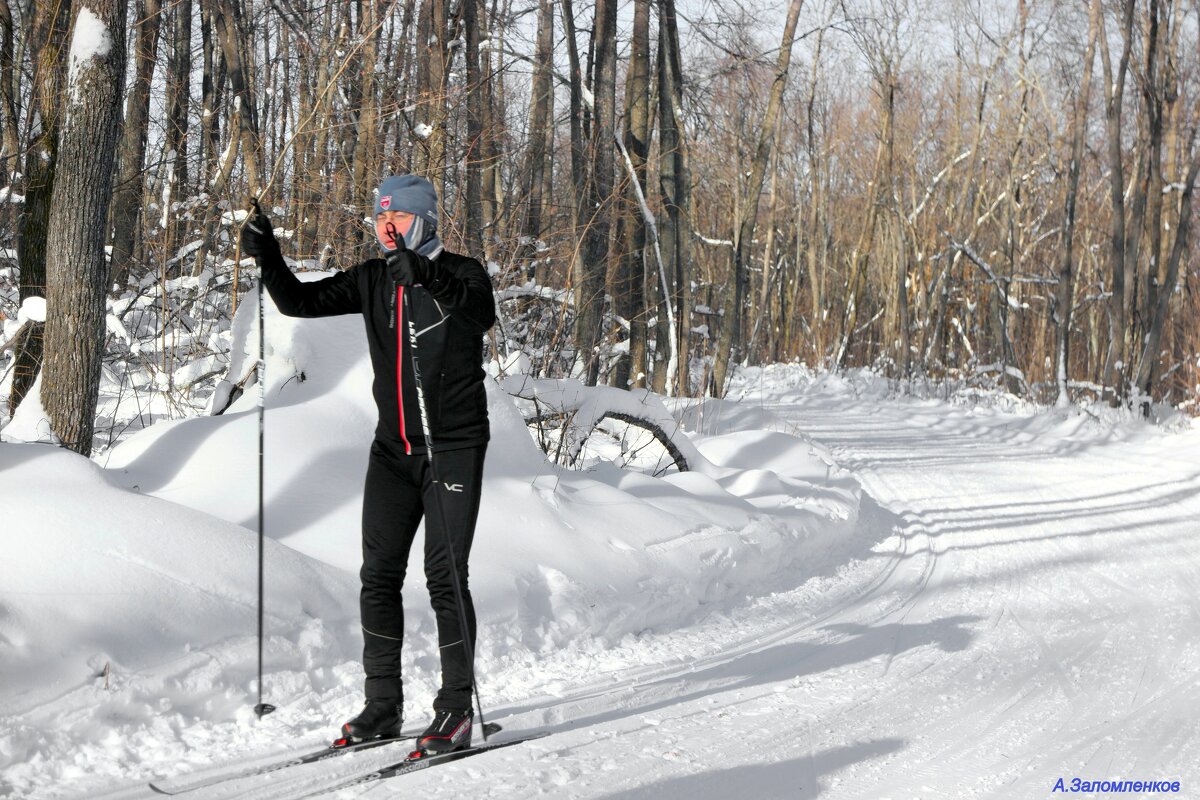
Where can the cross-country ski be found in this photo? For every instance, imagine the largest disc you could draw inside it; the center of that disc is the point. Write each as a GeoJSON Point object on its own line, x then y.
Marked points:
{"type": "Point", "coordinates": [189, 784]}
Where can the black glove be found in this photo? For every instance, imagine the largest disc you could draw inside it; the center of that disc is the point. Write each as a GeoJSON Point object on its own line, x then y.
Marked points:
{"type": "Point", "coordinates": [404, 267]}
{"type": "Point", "coordinates": [258, 237]}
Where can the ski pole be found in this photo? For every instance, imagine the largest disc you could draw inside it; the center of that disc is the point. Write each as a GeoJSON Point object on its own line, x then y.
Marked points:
{"type": "Point", "coordinates": [260, 708]}
{"type": "Point", "coordinates": [437, 500]}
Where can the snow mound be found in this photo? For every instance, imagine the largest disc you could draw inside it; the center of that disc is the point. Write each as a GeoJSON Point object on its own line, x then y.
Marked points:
{"type": "Point", "coordinates": [561, 554]}
{"type": "Point", "coordinates": [163, 592]}
{"type": "Point", "coordinates": [114, 602]}
{"type": "Point", "coordinates": [31, 423]}
{"type": "Point", "coordinates": [712, 416]}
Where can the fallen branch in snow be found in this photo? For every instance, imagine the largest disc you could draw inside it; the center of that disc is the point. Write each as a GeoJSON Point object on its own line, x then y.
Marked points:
{"type": "Point", "coordinates": [584, 407]}
{"type": "Point", "coordinates": [660, 435]}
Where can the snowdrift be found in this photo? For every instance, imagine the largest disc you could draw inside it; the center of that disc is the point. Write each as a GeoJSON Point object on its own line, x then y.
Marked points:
{"type": "Point", "coordinates": [95, 575]}
{"type": "Point", "coordinates": [558, 554]}
{"type": "Point", "coordinates": [148, 565]}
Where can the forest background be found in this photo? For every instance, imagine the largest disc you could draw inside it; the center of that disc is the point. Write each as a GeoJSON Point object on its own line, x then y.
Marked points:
{"type": "Point", "coordinates": [949, 191]}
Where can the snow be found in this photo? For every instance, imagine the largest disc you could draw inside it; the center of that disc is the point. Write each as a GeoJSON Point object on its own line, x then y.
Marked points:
{"type": "Point", "coordinates": [31, 423]}
{"type": "Point", "coordinates": [90, 39]}
{"type": "Point", "coordinates": [422, 130]}
{"type": "Point", "coordinates": [865, 591]}
{"type": "Point", "coordinates": [32, 308]}
{"type": "Point", "coordinates": [531, 289]}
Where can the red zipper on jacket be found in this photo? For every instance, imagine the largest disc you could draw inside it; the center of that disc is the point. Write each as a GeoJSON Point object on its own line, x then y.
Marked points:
{"type": "Point", "coordinates": [400, 367]}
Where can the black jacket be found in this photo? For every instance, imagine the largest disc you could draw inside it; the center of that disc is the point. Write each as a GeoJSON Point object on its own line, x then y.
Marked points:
{"type": "Point", "coordinates": [451, 318]}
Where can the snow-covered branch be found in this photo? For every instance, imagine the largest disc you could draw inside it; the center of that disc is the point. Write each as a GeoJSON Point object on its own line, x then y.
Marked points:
{"type": "Point", "coordinates": [584, 407]}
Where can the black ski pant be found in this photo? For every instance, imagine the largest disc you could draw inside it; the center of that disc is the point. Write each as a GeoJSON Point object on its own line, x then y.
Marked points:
{"type": "Point", "coordinates": [399, 491]}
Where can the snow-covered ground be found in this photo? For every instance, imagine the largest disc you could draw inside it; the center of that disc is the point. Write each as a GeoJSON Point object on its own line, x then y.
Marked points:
{"type": "Point", "coordinates": [1009, 599]}
{"type": "Point", "coordinates": [127, 590]}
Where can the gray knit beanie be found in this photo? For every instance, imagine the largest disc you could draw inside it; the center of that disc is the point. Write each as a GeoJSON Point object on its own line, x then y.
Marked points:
{"type": "Point", "coordinates": [415, 195]}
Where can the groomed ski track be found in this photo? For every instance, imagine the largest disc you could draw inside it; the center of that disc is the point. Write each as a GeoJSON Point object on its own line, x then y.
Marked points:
{"type": "Point", "coordinates": [1020, 603]}
{"type": "Point", "coordinates": [1022, 606]}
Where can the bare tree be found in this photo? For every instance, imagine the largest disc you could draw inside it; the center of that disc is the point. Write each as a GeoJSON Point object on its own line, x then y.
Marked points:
{"type": "Point", "coordinates": [430, 113]}
{"type": "Point", "coordinates": [675, 186]}
{"type": "Point", "coordinates": [47, 36]}
{"type": "Point", "coordinates": [1063, 300]}
{"type": "Point", "coordinates": [540, 134]}
{"type": "Point", "coordinates": [629, 285]}
{"type": "Point", "coordinates": [473, 157]}
{"type": "Point", "coordinates": [593, 157]}
{"type": "Point", "coordinates": [76, 266]}
{"type": "Point", "coordinates": [1114, 93]}
{"type": "Point", "coordinates": [9, 145]}
{"type": "Point", "coordinates": [230, 31]}
{"type": "Point", "coordinates": [128, 191]}
{"type": "Point", "coordinates": [744, 236]}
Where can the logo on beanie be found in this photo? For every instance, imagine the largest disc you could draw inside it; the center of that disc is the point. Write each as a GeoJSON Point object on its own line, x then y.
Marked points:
{"type": "Point", "coordinates": [385, 202]}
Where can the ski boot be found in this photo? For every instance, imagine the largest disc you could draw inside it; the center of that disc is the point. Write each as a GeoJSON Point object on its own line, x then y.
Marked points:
{"type": "Point", "coordinates": [449, 731]}
{"type": "Point", "coordinates": [379, 719]}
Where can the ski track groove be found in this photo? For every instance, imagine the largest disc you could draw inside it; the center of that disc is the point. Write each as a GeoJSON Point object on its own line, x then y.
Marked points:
{"type": "Point", "coordinates": [1040, 686]}
{"type": "Point", "coordinates": [1069, 667]}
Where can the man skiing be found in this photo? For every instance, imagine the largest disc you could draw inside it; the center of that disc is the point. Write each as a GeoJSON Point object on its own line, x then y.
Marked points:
{"type": "Point", "coordinates": [449, 297]}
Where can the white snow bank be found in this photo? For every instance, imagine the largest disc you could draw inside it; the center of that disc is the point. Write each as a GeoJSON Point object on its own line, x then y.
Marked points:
{"type": "Point", "coordinates": [545, 534]}
{"type": "Point", "coordinates": [31, 423]}
{"type": "Point", "coordinates": [96, 578]}
{"type": "Point", "coordinates": [1014, 419]}
{"type": "Point", "coordinates": [563, 561]}
{"type": "Point", "coordinates": [562, 554]}
{"type": "Point", "coordinates": [712, 416]}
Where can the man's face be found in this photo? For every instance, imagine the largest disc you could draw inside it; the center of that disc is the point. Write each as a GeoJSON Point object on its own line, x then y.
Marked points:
{"type": "Point", "coordinates": [386, 221]}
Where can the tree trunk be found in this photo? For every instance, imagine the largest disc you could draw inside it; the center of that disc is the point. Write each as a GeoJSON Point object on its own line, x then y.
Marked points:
{"type": "Point", "coordinates": [727, 347]}
{"type": "Point", "coordinates": [629, 286]}
{"type": "Point", "coordinates": [762, 307]}
{"type": "Point", "coordinates": [814, 231]}
{"type": "Point", "coordinates": [675, 186]}
{"type": "Point", "coordinates": [179, 92]}
{"type": "Point", "coordinates": [1144, 291]}
{"type": "Point", "coordinates": [9, 146]}
{"type": "Point", "coordinates": [128, 191]}
{"type": "Point", "coordinates": [78, 274]}
{"type": "Point", "coordinates": [493, 135]}
{"type": "Point", "coordinates": [1062, 307]}
{"type": "Point", "coordinates": [473, 156]}
{"type": "Point", "coordinates": [431, 95]}
{"type": "Point", "coordinates": [231, 37]}
{"type": "Point", "coordinates": [540, 132]}
{"type": "Point", "coordinates": [594, 185]}
{"type": "Point", "coordinates": [311, 142]}
{"type": "Point", "coordinates": [47, 39]}
{"type": "Point", "coordinates": [366, 147]}
{"type": "Point", "coordinates": [1114, 90]}
{"type": "Point", "coordinates": [1149, 354]}
{"type": "Point", "coordinates": [211, 83]}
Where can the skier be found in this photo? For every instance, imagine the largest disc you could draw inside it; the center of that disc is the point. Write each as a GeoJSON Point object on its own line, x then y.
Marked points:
{"type": "Point", "coordinates": [450, 298]}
